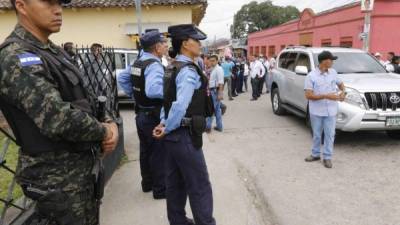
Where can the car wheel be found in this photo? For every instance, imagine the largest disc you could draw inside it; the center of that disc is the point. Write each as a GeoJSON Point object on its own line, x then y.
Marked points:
{"type": "Point", "coordinates": [394, 134]}
{"type": "Point", "coordinates": [276, 102]}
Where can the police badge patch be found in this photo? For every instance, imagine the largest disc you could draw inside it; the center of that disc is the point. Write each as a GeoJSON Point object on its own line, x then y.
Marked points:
{"type": "Point", "coordinates": [136, 71]}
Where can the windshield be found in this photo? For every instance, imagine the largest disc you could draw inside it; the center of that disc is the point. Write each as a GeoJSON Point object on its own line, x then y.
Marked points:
{"type": "Point", "coordinates": [351, 62]}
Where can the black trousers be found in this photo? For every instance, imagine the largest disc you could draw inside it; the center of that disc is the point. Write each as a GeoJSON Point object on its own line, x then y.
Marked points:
{"type": "Point", "coordinates": [261, 82]}
{"type": "Point", "coordinates": [255, 85]}
{"type": "Point", "coordinates": [240, 83]}
{"type": "Point", "coordinates": [152, 154]}
{"type": "Point", "coordinates": [234, 85]}
{"type": "Point", "coordinates": [187, 176]}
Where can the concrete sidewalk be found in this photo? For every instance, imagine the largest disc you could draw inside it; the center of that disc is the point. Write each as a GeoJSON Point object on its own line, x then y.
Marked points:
{"type": "Point", "coordinates": [235, 199]}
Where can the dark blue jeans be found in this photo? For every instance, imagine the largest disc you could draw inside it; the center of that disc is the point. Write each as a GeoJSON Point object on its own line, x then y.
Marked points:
{"type": "Point", "coordinates": [217, 113]}
{"type": "Point", "coordinates": [187, 175]}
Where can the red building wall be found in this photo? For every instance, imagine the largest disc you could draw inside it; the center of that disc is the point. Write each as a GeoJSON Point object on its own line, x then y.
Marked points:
{"type": "Point", "coordinates": [340, 26]}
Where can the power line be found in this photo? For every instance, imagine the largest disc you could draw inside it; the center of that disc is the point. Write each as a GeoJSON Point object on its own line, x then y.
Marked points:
{"type": "Point", "coordinates": [219, 20]}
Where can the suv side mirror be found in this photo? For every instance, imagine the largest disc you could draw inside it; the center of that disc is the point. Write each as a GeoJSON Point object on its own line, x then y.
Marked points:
{"type": "Point", "coordinates": [301, 70]}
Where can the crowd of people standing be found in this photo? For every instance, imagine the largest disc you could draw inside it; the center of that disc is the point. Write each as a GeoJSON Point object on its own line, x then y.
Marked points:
{"type": "Point", "coordinates": [392, 64]}
{"type": "Point", "coordinates": [238, 70]}
{"type": "Point", "coordinates": [232, 74]}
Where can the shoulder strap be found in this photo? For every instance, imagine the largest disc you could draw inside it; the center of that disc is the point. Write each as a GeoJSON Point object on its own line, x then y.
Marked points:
{"type": "Point", "coordinates": [149, 61]}
{"type": "Point", "coordinates": [203, 78]}
{"type": "Point", "coordinates": [8, 41]}
{"type": "Point", "coordinates": [180, 65]}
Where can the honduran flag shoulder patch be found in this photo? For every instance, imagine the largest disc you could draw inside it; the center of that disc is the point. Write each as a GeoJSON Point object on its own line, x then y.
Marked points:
{"type": "Point", "coordinates": [29, 59]}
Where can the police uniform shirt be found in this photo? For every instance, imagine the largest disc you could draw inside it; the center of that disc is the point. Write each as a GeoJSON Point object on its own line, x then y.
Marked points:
{"type": "Point", "coordinates": [187, 81]}
{"type": "Point", "coordinates": [154, 74]}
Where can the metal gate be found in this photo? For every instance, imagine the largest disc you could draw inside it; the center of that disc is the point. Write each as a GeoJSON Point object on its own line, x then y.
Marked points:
{"type": "Point", "coordinates": [100, 80]}
{"type": "Point", "coordinates": [10, 207]}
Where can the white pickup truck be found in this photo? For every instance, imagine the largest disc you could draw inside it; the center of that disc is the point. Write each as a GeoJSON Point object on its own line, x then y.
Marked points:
{"type": "Point", "coordinates": [373, 94]}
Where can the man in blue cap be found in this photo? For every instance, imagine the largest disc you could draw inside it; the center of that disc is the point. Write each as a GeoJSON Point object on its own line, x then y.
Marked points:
{"type": "Point", "coordinates": [144, 81]}
{"type": "Point", "coordinates": [186, 106]}
{"type": "Point", "coordinates": [321, 89]}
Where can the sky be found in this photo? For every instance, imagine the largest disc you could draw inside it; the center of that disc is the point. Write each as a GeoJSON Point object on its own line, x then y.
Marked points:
{"type": "Point", "coordinates": [219, 14]}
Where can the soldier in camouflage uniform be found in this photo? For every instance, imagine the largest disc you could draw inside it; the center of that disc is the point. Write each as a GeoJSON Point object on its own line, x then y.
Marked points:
{"type": "Point", "coordinates": [51, 115]}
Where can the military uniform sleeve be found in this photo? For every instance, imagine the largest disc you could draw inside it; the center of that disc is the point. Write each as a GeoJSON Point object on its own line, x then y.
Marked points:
{"type": "Point", "coordinates": [25, 84]}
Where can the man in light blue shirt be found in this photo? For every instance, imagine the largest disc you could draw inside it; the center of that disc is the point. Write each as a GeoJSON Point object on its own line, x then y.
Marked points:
{"type": "Point", "coordinates": [321, 89]}
{"type": "Point", "coordinates": [216, 85]}
{"type": "Point", "coordinates": [227, 66]}
{"type": "Point", "coordinates": [144, 81]}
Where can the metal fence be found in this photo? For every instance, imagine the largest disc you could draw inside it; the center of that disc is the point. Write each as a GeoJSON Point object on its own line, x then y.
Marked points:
{"type": "Point", "coordinates": [10, 208]}
{"type": "Point", "coordinates": [100, 80]}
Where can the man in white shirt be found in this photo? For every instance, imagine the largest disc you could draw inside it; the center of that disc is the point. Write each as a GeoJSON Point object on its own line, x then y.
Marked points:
{"type": "Point", "coordinates": [246, 74]}
{"type": "Point", "coordinates": [216, 85]}
{"type": "Point", "coordinates": [389, 64]}
{"type": "Point", "coordinates": [267, 67]}
{"type": "Point", "coordinates": [257, 72]}
{"type": "Point", "coordinates": [378, 57]}
{"type": "Point", "coordinates": [272, 62]}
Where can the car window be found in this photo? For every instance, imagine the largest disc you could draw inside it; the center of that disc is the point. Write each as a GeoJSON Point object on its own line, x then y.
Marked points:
{"type": "Point", "coordinates": [120, 61]}
{"type": "Point", "coordinates": [282, 59]}
{"type": "Point", "coordinates": [131, 58]}
{"type": "Point", "coordinates": [291, 61]}
{"type": "Point", "coordinates": [355, 62]}
{"type": "Point", "coordinates": [304, 60]}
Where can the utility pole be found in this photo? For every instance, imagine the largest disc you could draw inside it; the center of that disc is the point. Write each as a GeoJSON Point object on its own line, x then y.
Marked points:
{"type": "Point", "coordinates": [138, 6]}
{"type": "Point", "coordinates": [367, 31]}
{"type": "Point", "coordinates": [367, 7]}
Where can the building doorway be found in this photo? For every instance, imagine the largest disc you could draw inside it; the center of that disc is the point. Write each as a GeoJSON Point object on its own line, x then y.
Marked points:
{"type": "Point", "coordinates": [306, 39]}
{"type": "Point", "coordinates": [271, 51]}
{"type": "Point", "coordinates": [346, 42]}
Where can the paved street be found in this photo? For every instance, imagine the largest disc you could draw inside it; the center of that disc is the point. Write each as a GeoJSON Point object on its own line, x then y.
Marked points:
{"type": "Point", "coordinates": [259, 175]}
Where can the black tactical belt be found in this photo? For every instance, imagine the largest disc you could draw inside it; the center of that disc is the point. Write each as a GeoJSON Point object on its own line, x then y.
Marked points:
{"type": "Point", "coordinates": [149, 111]}
{"type": "Point", "coordinates": [186, 122]}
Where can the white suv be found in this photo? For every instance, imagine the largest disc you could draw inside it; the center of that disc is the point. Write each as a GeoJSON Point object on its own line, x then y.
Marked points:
{"type": "Point", "coordinates": [373, 94]}
{"type": "Point", "coordinates": [123, 59]}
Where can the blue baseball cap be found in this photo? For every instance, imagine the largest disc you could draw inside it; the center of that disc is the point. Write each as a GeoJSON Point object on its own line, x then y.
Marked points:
{"type": "Point", "coordinates": [186, 31]}
{"type": "Point", "coordinates": [151, 37]}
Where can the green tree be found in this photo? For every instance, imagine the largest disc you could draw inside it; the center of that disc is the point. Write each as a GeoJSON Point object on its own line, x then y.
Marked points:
{"type": "Point", "coordinates": [255, 16]}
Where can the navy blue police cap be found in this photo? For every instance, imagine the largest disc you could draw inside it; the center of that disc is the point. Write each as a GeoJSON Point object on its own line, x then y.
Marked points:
{"type": "Point", "coordinates": [151, 37]}
{"type": "Point", "coordinates": [186, 31]}
{"type": "Point", "coordinates": [64, 2]}
{"type": "Point", "coordinates": [151, 29]}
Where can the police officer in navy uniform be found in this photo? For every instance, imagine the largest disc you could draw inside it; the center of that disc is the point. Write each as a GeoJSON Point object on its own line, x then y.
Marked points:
{"type": "Point", "coordinates": [144, 80]}
{"type": "Point", "coordinates": [186, 106]}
